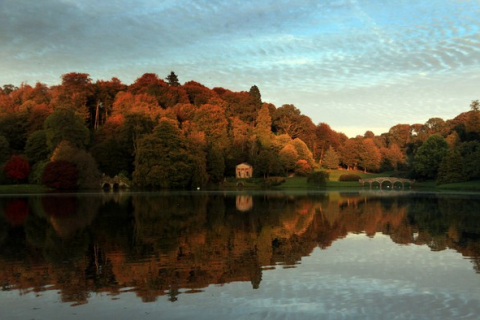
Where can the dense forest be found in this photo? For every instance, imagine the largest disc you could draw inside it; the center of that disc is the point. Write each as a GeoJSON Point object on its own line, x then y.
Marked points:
{"type": "Point", "coordinates": [161, 134]}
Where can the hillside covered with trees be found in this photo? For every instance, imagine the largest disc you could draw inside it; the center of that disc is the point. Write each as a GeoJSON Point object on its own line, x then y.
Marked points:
{"type": "Point", "coordinates": [159, 133]}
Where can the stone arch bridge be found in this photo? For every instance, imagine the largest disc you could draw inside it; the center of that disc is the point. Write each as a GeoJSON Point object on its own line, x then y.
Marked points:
{"type": "Point", "coordinates": [392, 180]}
{"type": "Point", "coordinates": [113, 183]}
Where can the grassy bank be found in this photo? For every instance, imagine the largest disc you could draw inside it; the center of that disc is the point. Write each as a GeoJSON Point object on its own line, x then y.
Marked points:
{"type": "Point", "coordinates": [293, 183]}
{"type": "Point", "coordinates": [461, 186]}
{"type": "Point", "coordinates": [335, 184]}
{"type": "Point", "coordinates": [22, 189]}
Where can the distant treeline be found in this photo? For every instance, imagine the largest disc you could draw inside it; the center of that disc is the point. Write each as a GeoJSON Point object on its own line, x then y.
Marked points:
{"type": "Point", "coordinates": [159, 133]}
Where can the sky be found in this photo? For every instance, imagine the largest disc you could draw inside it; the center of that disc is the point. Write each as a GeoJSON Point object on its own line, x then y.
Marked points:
{"type": "Point", "coordinates": [357, 65]}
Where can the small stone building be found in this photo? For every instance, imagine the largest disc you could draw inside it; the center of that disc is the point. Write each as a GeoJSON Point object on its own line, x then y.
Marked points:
{"type": "Point", "coordinates": [243, 171]}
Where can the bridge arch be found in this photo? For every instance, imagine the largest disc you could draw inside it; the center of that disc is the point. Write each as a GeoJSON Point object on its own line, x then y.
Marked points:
{"type": "Point", "coordinates": [387, 183]}
{"type": "Point", "coordinates": [114, 183]}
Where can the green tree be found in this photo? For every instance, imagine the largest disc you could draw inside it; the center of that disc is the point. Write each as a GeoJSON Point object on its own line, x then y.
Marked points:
{"type": "Point", "coordinates": [4, 149]}
{"type": "Point", "coordinates": [13, 127]}
{"type": "Point", "coordinates": [36, 148]}
{"type": "Point", "coordinates": [451, 168]}
{"type": "Point", "coordinates": [215, 164]}
{"type": "Point", "coordinates": [133, 128]}
{"type": "Point", "coordinates": [267, 164]}
{"type": "Point", "coordinates": [331, 159]}
{"type": "Point", "coordinates": [64, 124]}
{"type": "Point", "coordinates": [163, 159]}
{"type": "Point", "coordinates": [112, 157]}
{"type": "Point", "coordinates": [470, 153]}
{"type": "Point", "coordinates": [429, 156]}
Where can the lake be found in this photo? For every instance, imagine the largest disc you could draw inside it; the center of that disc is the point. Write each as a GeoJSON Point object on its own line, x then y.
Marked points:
{"type": "Point", "coordinates": [240, 255]}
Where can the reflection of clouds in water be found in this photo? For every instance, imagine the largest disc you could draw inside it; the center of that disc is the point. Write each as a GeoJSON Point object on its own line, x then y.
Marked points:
{"type": "Point", "coordinates": [357, 277]}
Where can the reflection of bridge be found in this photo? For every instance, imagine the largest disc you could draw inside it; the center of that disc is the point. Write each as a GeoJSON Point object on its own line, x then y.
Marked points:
{"type": "Point", "coordinates": [391, 180]}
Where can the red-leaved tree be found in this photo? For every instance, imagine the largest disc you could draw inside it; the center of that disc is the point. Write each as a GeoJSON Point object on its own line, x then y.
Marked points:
{"type": "Point", "coordinates": [17, 168]}
{"type": "Point", "coordinates": [62, 175]}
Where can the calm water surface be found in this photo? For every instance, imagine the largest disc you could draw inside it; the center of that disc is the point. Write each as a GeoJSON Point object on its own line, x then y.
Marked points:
{"type": "Point", "coordinates": [239, 255]}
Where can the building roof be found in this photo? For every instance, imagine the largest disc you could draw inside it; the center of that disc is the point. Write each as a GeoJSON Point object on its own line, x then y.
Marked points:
{"type": "Point", "coordinates": [244, 164]}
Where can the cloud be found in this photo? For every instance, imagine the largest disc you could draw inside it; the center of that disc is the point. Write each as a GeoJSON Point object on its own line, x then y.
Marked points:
{"type": "Point", "coordinates": [328, 58]}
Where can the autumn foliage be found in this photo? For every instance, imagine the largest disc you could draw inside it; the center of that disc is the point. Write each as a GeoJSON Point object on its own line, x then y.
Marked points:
{"type": "Point", "coordinates": [17, 168]}
{"type": "Point", "coordinates": [114, 127]}
{"type": "Point", "coordinates": [61, 175]}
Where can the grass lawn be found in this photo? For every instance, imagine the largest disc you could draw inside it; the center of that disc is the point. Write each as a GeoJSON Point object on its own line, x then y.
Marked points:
{"type": "Point", "coordinates": [294, 183]}
{"type": "Point", "coordinates": [335, 184]}
{"type": "Point", "coordinates": [335, 174]}
{"type": "Point", "coordinates": [22, 188]}
{"type": "Point", "coordinates": [461, 186]}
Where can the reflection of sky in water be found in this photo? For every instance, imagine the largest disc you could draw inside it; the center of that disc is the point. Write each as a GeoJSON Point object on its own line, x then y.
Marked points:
{"type": "Point", "coordinates": [357, 277]}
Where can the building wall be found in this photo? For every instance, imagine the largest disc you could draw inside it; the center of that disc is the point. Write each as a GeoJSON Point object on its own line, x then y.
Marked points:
{"type": "Point", "coordinates": [244, 171]}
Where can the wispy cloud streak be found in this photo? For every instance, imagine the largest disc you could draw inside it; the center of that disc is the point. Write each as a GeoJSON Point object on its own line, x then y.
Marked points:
{"type": "Point", "coordinates": [382, 62]}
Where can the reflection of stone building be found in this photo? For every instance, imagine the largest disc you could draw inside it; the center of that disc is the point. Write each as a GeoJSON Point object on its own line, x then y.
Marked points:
{"type": "Point", "coordinates": [244, 170]}
{"type": "Point", "coordinates": [244, 202]}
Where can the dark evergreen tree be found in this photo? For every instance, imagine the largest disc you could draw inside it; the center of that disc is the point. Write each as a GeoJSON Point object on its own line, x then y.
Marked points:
{"type": "Point", "coordinates": [172, 79]}
{"type": "Point", "coordinates": [255, 93]}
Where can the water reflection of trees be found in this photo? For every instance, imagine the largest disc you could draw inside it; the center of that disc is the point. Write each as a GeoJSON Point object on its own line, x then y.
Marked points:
{"type": "Point", "coordinates": [171, 244]}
